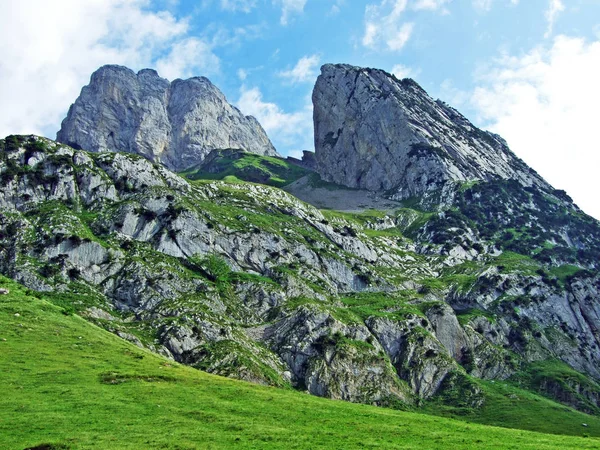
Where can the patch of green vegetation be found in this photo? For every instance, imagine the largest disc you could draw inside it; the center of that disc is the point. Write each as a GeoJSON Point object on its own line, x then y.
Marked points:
{"type": "Point", "coordinates": [215, 268]}
{"type": "Point", "coordinates": [466, 185]}
{"type": "Point", "coordinates": [316, 182]}
{"type": "Point", "coordinates": [296, 302]}
{"type": "Point", "coordinates": [341, 343]}
{"type": "Point", "coordinates": [228, 357]}
{"type": "Point", "coordinates": [360, 306]}
{"type": "Point", "coordinates": [70, 303]}
{"type": "Point", "coordinates": [50, 215]}
{"type": "Point", "coordinates": [464, 317]}
{"type": "Point", "coordinates": [362, 217]}
{"type": "Point", "coordinates": [565, 272]}
{"type": "Point", "coordinates": [414, 220]}
{"type": "Point", "coordinates": [388, 232]}
{"type": "Point", "coordinates": [12, 142]}
{"type": "Point", "coordinates": [507, 405]}
{"type": "Point", "coordinates": [236, 165]}
{"type": "Point", "coordinates": [461, 282]}
{"type": "Point", "coordinates": [510, 262]}
{"type": "Point", "coordinates": [244, 277]}
{"type": "Point", "coordinates": [432, 284]}
{"type": "Point", "coordinates": [294, 270]}
{"type": "Point", "coordinates": [364, 221]}
{"type": "Point", "coordinates": [458, 392]}
{"type": "Point", "coordinates": [558, 381]}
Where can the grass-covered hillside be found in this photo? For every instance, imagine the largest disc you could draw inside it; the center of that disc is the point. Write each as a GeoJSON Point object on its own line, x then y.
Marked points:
{"type": "Point", "coordinates": [68, 384]}
{"type": "Point", "coordinates": [232, 164]}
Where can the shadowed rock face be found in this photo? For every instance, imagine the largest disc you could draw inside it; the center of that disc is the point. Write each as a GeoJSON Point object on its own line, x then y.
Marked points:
{"type": "Point", "coordinates": [375, 132]}
{"type": "Point", "coordinates": [176, 124]}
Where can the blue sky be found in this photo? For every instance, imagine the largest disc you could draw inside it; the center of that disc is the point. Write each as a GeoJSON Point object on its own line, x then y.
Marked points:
{"type": "Point", "coordinates": [527, 69]}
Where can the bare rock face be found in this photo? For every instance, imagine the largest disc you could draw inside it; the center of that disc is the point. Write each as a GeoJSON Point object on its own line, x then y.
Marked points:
{"type": "Point", "coordinates": [375, 132]}
{"type": "Point", "coordinates": [176, 124]}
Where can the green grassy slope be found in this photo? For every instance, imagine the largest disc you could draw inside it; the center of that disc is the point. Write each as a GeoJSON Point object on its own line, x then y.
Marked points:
{"type": "Point", "coordinates": [68, 383]}
{"type": "Point", "coordinates": [236, 164]}
{"type": "Point", "coordinates": [513, 407]}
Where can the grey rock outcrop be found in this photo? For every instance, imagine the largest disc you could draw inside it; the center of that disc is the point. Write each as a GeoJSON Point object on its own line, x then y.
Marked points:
{"type": "Point", "coordinates": [176, 124]}
{"type": "Point", "coordinates": [375, 132]}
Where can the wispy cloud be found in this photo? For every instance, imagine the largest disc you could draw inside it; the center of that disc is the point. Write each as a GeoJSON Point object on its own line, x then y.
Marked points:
{"type": "Point", "coordinates": [482, 5]}
{"type": "Point", "coordinates": [401, 71]}
{"type": "Point", "coordinates": [42, 75]}
{"type": "Point", "coordinates": [187, 58]}
{"type": "Point", "coordinates": [305, 70]}
{"type": "Point", "coordinates": [286, 129]}
{"type": "Point", "coordinates": [554, 9]}
{"type": "Point", "coordinates": [221, 36]}
{"type": "Point", "coordinates": [238, 5]}
{"type": "Point", "coordinates": [431, 5]}
{"type": "Point", "coordinates": [486, 5]}
{"type": "Point", "coordinates": [336, 7]}
{"type": "Point", "coordinates": [289, 8]}
{"type": "Point", "coordinates": [384, 26]}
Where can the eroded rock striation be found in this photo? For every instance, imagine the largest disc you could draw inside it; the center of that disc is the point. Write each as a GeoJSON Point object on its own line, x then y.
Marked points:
{"type": "Point", "coordinates": [176, 124]}
{"type": "Point", "coordinates": [375, 132]}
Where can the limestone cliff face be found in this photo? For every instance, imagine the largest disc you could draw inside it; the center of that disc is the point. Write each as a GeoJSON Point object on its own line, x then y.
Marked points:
{"type": "Point", "coordinates": [176, 124]}
{"type": "Point", "coordinates": [375, 132]}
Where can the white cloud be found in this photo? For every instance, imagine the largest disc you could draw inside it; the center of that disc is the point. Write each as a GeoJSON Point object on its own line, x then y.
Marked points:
{"type": "Point", "coordinates": [238, 5]}
{"type": "Point", "coordinates": [188, 58]}
{"type": "Point", "coordinates": [452, 95]}
{"type": "Point", "coordinates": [61, 44]}
{"type": "Point", "coordinates": [545, 103]}
{"type": "Point", "coordinates": [398, 39]}
{"type": "Point", "coordinates": [483, 5]}
{"type": "Point", "coordinates": [554, 9]}
{"type": "Point", "coordinates": [219, 35]}
{"type": "Point", "coordinates": [286, 130]}
{"type": "Point", "coordinates": [432, 5]}
{"type": "Point", "coordinates": [336, 7]}
{"type": "Point", "coordinates": [383, 25]}
{"type": "Point", "coordinates": [486, 5]}
{"type": "Point", "coordinates": [402, 71]}
{"type": "Point", "coordinates": [289, 8]}
{"type": "Point", "coordinates": [305, 70]}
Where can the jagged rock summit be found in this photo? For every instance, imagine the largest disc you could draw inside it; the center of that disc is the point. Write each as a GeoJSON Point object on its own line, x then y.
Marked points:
{"type": "Point", "coordinates": [176, 124]}
{"type": "Point", "coordinates": [375, 132]}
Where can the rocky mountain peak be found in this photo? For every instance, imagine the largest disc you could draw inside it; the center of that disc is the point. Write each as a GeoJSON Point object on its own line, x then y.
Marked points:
{"type": "Point", "coordinates": [376, 132]}
{"type": "Point", "coordinates": [175, 123]}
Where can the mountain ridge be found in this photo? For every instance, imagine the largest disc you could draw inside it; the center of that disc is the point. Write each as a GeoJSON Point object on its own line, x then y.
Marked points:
{"type": "Point", "coordinates": [176, 123]}
{"type": "Point", "coordinates": [376, 132]}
